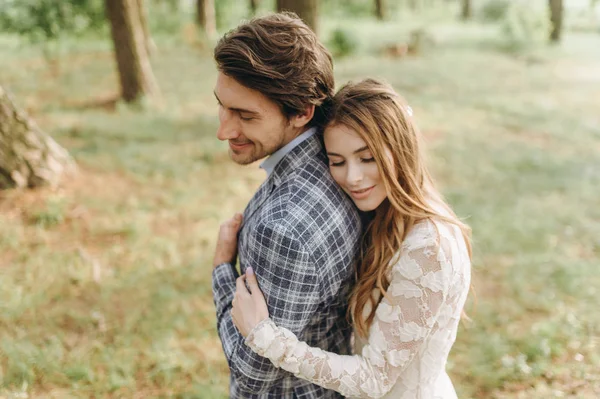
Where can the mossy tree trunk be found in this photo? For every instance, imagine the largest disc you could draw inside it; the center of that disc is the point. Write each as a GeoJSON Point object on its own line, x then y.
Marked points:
{"type": "Point", "coordinates": [28, 157]}
{"type": "Point", "coordinates": [131, 51]}
{"type": "Point", "coordinates": [148, 42]}
{"type": "Point", "coordinates": [556, 18]}
{"type": "Point", "coordinates": [380, 9]}
{"type": "Point", "coordinates": [253, 6]}
{"type": "Point", "coordinates": [205, 16]}
{"type": "Point", "coordinates": [306, 10]}
{"type": "Point", "coordinates": [467, 10]}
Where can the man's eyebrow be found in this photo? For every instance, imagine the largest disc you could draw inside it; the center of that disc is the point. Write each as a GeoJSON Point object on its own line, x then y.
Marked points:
{"type": "Point", "coordinates": [243, 110]}
{"type": "Point", "coordinates": [361, 149]}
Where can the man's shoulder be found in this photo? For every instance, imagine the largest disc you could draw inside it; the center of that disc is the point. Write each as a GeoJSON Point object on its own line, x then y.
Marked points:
{"type": "Point", "coordinates": [311, 185]}
{"type": "Point", "coordinates": [311, 207]}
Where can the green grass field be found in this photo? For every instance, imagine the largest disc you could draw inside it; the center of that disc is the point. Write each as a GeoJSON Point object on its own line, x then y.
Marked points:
{"type": "Point", "coordinates": [105, 282]}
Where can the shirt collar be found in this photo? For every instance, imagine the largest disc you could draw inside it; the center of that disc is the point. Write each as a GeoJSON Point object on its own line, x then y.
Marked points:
{"type": "Point", "coordinates": [269, 164]}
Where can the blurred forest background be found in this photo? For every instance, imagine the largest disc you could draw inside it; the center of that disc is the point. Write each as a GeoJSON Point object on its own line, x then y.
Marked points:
{"type": "Point", "coordinates": [113, 184]}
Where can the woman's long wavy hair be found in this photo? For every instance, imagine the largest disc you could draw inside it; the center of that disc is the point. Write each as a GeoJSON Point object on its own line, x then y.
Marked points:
{"type": "Point", "coordinates": [384, 121]}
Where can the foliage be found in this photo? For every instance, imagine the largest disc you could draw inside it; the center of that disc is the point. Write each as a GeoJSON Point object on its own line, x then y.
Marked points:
{"type": "Point", "coordinates": [228, 13]}
{"type": "Point", "coordinates": [525, 26]}
{"type": "Point", "coordinates": [343, 42]}
{"type": "Point", "coordinates": [355, 8]}
{"type": "Point", "coordinates": [46, 20]}
{"type": "Point", "coordinates": [494, 10]}
{"type": "Point", "coordinates": [421, 40]}
{"type": "Point", "coordinates": [165, 16]}
{"type": "Point", "coordinates": [106, 288]}
{"type": "Point", "coordinates": [52, 214]}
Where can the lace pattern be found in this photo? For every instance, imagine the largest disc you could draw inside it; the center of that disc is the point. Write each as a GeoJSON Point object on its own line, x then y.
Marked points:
{"type": "Point", "coordinates": [414, 327]}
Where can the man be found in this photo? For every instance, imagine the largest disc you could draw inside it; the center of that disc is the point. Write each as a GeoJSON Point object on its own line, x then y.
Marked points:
{"type": "Point", "coordinates": [300, 232]}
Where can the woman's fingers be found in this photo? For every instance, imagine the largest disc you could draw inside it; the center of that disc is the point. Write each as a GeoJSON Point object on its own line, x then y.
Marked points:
{"type": "Point", "coordinates": [234, 222]}
{"type": "Point", "coordinates": [240, 286]}
{"type": "Point", "coordinates": [238, 218]}
{"type": "Point", "coordinates": [251, 280]}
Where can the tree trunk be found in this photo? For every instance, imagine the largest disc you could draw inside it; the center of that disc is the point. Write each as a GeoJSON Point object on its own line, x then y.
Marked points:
{"type": "Point", "coordinates": [253, 6]}
{"type": "Point", "coordinates": [28, 156]}
{"type": "Point", "coordinates": [380, 9]}
{"type": "Point", "coordinates": [306, 10]}
{"type": "Point", "coordinates": [135, 71]}
{"type": "Point", "coordinates": [148, 42]}
{"type": "Point", "coordinates": [556, 17]}
{"type": "Point", "coordinates": [205, 16]}
{"type": "Point", "coordinates": [466, 12]}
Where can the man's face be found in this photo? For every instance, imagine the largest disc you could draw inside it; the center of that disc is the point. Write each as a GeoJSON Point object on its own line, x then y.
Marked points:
{"type": "Point", "coordinates": [253, 124]}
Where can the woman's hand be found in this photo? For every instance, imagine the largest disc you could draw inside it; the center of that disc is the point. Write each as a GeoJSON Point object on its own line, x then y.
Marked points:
{"type": "Point", "coordinates": [226, 250]}
{"type": "Point", "coordinates": [249, 306]}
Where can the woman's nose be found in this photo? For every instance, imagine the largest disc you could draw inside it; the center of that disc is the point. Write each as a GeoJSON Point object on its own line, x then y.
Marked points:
{"type": "Point", "coordinates": [355, 174]}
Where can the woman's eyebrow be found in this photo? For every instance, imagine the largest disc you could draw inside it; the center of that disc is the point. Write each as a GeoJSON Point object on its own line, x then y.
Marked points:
{"type": "Point", "coordinates": [361, 149]}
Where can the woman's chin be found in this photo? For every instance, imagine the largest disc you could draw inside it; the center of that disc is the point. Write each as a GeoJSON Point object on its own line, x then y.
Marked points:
{"type": "Point", "coordinates": [366, 206]}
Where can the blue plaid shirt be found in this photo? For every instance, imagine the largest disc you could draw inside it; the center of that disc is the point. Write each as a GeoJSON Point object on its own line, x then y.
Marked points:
{"type": "Point", "coordinates": [301, 234]}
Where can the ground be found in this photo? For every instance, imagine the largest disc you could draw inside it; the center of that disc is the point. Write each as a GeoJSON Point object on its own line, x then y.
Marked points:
{"type": "Point", "coordinates": [106, 280]}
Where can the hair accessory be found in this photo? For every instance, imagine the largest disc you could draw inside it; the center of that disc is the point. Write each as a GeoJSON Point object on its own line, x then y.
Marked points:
{"type": "Point", "coordinates": [409, 110]}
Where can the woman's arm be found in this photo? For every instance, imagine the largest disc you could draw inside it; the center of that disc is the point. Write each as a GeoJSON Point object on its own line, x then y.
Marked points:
{"type": "Point", "coordinates": [417, 298]}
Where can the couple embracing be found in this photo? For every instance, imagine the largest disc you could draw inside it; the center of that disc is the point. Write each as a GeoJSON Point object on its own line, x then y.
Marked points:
{"type": "Point", "coordinates": [353, 271]}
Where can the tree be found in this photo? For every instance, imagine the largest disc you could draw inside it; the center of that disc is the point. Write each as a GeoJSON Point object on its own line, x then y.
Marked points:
{"type": "Point", "coordinates": [253, 6]}
{"type": "Point", "coordinates": [556, 17]}
{"type": "Point", "coordinates": [28, 156]}
{"type": "Point", "coordinates": [205, 16]}
{"type": "Point", "coordinates": [380, 9]}
{"type": "Point", "coordinates": [466, 11]}
{"type": "Point", "coordinates": [306, 10]}
{"type": "Point", "coordinates": [148, 42]}
{"type": "Point", "coordinates": [135, 72]}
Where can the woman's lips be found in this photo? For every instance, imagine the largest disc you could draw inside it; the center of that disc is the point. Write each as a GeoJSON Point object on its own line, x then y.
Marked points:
{"type": "Point", "coordinates": [361, 194]}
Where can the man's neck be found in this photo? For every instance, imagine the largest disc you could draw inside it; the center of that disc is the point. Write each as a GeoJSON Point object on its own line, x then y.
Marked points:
{"type": "Point", "coordinates": [293, 135]}
{"type": "Point", "coordinates": [269, 164]}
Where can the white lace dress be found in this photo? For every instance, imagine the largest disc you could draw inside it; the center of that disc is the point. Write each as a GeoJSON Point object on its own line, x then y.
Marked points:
{"type": "Point", "coordinates": [413, 331]}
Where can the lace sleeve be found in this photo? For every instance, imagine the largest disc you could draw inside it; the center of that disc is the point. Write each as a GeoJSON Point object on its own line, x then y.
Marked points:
{"type": "Point", "coordinates": [418, 301]}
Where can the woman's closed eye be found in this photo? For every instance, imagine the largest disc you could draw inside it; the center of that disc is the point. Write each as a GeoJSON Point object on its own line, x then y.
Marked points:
{"type": "Point", "coordinates": [341, 163]}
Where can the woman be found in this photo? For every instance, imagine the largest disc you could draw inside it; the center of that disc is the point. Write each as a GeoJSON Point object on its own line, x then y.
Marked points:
{"type": "Point", "coordinates": [412, 278]}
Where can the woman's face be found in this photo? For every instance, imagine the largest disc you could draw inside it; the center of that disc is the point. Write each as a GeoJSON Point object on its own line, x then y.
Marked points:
{"type": "Point", "coordinates": [353, 167]}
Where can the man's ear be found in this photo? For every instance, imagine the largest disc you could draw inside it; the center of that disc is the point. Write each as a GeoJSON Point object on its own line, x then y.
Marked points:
{"type": "Point", "coordinates": [301, 120]}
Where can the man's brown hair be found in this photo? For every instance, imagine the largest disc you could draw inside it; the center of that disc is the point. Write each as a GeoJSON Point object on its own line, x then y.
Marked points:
{"type": "Point", "coordinates": [279, 56]}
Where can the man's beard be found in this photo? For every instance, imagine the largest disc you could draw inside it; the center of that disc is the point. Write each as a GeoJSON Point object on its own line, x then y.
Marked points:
{"type": "Point", "coordinates": [255, 153]}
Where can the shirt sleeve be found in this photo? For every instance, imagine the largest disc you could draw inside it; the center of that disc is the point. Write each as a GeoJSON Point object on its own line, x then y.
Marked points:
{"type": "Point", "coordinates": [417, 303]}
{"type": "Point", "coordinates": [290, 283]}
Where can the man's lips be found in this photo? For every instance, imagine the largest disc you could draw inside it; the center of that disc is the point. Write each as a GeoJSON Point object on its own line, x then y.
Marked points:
{"type": "Point", "coordinates": [362, 193]}
{"type": "Point", "coordinates": [238, 146]}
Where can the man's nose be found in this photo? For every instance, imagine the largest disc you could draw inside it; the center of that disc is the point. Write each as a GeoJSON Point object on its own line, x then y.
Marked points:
{"type": "Point", "coordinates": [228, 128]}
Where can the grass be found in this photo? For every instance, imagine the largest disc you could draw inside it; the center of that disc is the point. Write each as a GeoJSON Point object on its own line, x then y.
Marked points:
{"type": "Point", "coordinates": [106, 281]}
